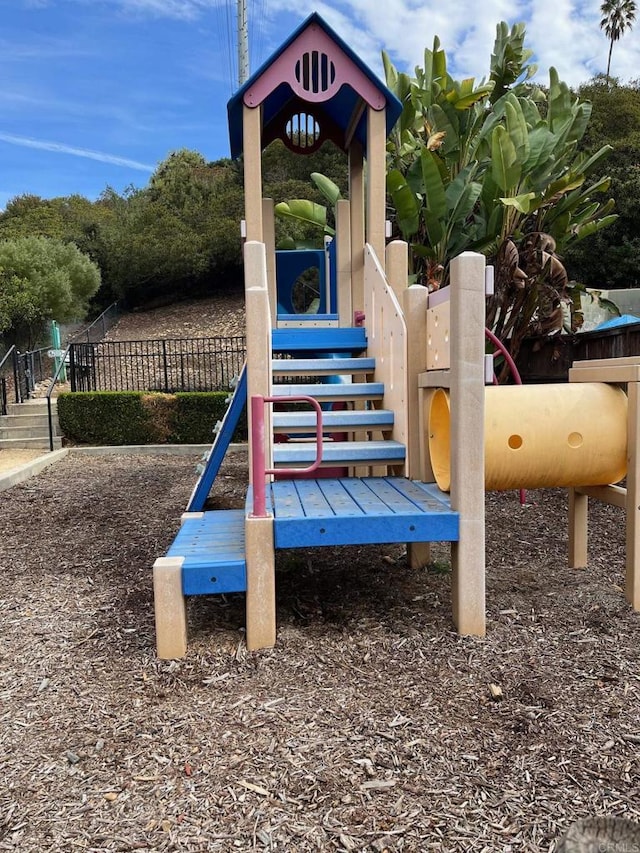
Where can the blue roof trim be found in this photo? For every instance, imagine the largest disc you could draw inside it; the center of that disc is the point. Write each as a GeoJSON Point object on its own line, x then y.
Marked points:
{"type": "Point", "coordinates": [234, 106]}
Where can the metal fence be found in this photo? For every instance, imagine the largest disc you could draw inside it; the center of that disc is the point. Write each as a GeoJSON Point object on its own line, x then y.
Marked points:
{"type": "Point", "coordinates": [100, 326]}
{"type": "Point", "coordinates": [194, 364]}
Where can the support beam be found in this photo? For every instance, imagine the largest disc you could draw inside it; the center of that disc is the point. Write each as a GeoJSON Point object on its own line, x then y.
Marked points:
{"type": "Point", "coordinates": [632, 583]}
{"type": "Point", "coordinates": [343, 265]}
{"type": "Point", "coordinates": [252, 148]}
{"type": "Point", "coordinates": [261, 584]}
{"type": "Point", "coordinates": [467, 441]}
{"type": "Point", "coordinates": [376, 181]}
{"type": "Point", "coordinates": [356, 213]}
{"type": "Point", "coordinates": [269, 231]}
{"type": "Point", "coordinates": [578, 529]}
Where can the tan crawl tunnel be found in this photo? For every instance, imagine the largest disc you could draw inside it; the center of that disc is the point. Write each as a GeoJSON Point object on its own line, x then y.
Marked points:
{"type": "Point", "coordinates": [541, 436]}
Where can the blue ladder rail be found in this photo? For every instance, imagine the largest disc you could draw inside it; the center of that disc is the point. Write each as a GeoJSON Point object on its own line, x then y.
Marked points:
{"type": "Point", "coordinates": [220, 445]}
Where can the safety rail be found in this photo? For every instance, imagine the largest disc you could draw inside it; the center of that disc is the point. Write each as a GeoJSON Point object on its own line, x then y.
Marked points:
{"type": "Point", "coordinates": [61, 364]}
{"type": "Point", "coordinates": [258, 462]}
{"type": "Point", "coordinates": [11, 353]}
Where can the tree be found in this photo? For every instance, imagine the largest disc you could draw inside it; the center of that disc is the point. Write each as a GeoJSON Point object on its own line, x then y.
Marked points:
{"type": "Point", "coordinates": [611, 259]}
{"type": "Point", "coordinates": [617, 16]}
{"type": "Point", "coordinates": [42, 279]}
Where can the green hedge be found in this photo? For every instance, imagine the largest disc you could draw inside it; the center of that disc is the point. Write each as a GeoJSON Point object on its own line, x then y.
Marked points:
{"type": "Point", "coordinates": [134, 417]}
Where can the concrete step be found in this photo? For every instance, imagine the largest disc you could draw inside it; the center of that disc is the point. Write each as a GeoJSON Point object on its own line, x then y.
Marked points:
{"type": "Point", "coordinates": [36, 421]}
{"type": "Point", "coordinates": [31, 407]}
{"type": "Point", "coordinates": [30, 443]}
{"type": "Point", "coordinates": [25, 431]}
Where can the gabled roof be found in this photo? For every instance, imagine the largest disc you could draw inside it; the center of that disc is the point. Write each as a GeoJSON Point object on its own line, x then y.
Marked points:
{"type": "Point", "coordinates": [314, 72]}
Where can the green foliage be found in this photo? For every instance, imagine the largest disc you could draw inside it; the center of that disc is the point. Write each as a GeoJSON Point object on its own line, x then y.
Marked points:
{"type": "Point", "coordinates": [494, 167]}
{"type": "Point", "coordinates": [134, 417]}
{"type": "Point", "coordinates": [42, 279]}
{"type": "Point", "coordinates": [611, 258]}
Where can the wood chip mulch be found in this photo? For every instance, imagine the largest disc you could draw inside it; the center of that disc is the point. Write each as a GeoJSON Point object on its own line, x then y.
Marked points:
{"type": "Point", "coordinates": [371, 726]}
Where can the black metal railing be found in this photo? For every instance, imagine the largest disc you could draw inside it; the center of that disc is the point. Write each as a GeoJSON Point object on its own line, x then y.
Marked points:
{"type": "Point", "coordinates": [179, 364]}
{"type": "Point", "coordinates": [99, 328]}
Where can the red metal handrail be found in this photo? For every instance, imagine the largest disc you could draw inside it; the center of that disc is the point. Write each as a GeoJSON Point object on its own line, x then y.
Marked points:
{"type": "Point", "coordinates": [258, 469]}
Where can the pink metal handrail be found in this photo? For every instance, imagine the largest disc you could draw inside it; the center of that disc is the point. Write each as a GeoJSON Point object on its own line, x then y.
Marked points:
{"type": "Point", "coordinates": [258, 469]}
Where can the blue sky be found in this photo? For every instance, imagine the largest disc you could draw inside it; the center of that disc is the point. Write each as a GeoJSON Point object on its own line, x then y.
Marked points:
{"type": "Point", "coordinates": [95, 93]}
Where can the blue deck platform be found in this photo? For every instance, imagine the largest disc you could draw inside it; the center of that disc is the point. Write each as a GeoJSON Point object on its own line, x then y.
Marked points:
{"type": "Point", "coordinates": [312, 513]}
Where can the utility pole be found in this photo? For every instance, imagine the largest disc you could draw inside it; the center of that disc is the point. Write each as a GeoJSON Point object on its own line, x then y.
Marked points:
{"type": "Point", "coordinates": [243, 43]}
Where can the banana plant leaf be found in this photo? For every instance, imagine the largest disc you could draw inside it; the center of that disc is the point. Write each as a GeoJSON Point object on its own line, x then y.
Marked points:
{"type": "Point", "coordinates": [505, 168]}
{"type": "Point", "coordinates": [327, 187]}
{"type": "Point", "coordinates": [303, 210]}
{"type": "Point", "coordinates": [405, 202]}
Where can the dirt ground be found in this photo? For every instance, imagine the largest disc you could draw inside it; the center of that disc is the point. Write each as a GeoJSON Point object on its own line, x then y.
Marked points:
{"type": "Point", "coordinates": [15, 458]}
{"type": "Point", "coordinates": [371, 725]}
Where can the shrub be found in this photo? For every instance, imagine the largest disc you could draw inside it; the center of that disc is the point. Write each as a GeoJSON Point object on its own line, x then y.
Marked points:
{"type": "Point", "coordinates": [134, 417]}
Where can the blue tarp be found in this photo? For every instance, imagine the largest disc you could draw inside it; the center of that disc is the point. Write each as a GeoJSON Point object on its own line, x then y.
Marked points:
{"type": "Point", "coordinates": [616, 322]}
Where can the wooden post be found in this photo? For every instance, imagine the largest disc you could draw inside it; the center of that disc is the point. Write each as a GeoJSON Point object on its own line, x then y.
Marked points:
{"type": "Point", "coordinates": [170, 608]}
{"type": "Point", "coordinates": [414, 304]}
{"type": "Point", "coordinates": [356, 212]}
{"type": "Point", "coordinates": [578, 529]}
{"type": "Point", "coordinates": [343, 256]}
{"type": "Point", "coordinates": [269, 229]}
{"type": "Point", "coordinates": [261, 585]}
{"type": "Point", "coordinates": [467, 441]}
{"type": "Point", "coordinates": [252, 148]}
{"type": "Point", "coordinates": [258, 323]}
{"type": "Point", "coordinates": [632, 583]}
{"type": "Point", "coordinates": [376, 181]}
{"type": "Point", "coordinates": [397, 268]}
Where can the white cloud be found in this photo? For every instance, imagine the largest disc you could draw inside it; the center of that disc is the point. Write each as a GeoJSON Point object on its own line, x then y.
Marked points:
{"type": "Point", "coordinates": [61, 148]}
{"type": "Point", "coordinates": [563, 33]}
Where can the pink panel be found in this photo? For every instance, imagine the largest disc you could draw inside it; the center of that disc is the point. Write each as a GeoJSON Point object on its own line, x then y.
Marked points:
{"type": "Point", "coordinates": [290, 66]}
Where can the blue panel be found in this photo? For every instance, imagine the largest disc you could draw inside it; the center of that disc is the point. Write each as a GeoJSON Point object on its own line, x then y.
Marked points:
{"type": "Point", "coordinates": [312, 532]}
{"type": "Point", "coordinates": [347, 339]}
{"type": "Point", "coordinates": [289, 266]}
{"type": "Point", "coordinates": [212, 547]}
{"type": "Point", "coordinates": [223, 577]}
{"type": "Point", "coordinates": [344, 452]}
{"type": "Point", "coordinates": [220, 445]}
{"type": "Point", "coordinates": [349, 391]}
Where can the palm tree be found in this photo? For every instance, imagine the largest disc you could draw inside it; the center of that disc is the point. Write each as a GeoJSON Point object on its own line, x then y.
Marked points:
{"type": "Point", "coordinates": [617, 16]}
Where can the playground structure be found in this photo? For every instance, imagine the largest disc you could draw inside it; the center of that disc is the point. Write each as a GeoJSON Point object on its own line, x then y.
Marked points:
{"type": "Point", "coordinates": [402, 437]}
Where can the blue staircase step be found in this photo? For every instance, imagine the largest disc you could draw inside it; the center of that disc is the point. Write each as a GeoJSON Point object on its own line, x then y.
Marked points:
{"type": "Point", "coordinates": [347, 420]}
{"type": "Point", "coordinates": [352, 510]}
{"type": "Point", "coordinates": [212, 546]}
{"type": "Point", "coordinates": [294, 454]}
{"type": "Point", "coordinates": [322, 366]}
{"type": "Point", "coordinates": [331, 392]}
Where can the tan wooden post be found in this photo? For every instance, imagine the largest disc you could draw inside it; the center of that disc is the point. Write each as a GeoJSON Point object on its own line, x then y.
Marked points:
{"type": "Point", "coordinates": [414, 304]}
{"type": "Point", "coordinates": [356, 212]}
{"type": "Point", "coordinates": [343, 257]}
{"type": "Point", "coordinates": [467, 441]}
{"type": "Point", "coordinates": [578, 529]}
{"type": "Point", "coordinates": [170, 608]}
{"type": "Point", "coordinates": [376, 181]}
{"type": "Point", "coordinates": [269, 228]}
{"type": "Point", "coordinates": [252, 150]}
{"type": "Point", "coordinates": [632, 583]}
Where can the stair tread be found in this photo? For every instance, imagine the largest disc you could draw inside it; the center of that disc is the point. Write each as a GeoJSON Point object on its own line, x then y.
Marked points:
{"type": "Point", "coordinates": [356, 418]}
{"type": "Point", "coordinates": [339, 451]}
{"type": "Point", "coordinates": [328, 390]}
{"type": "Point", "coordinates": [323, 365]}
